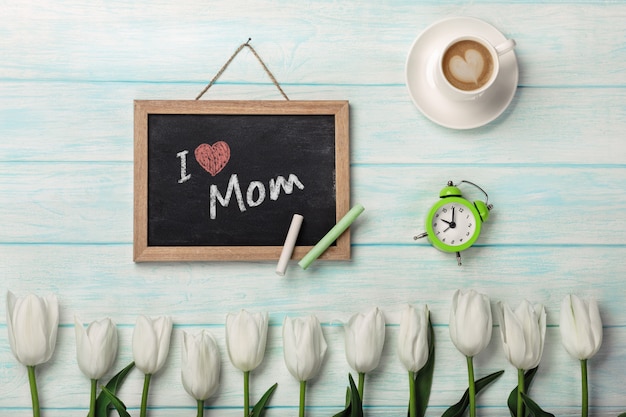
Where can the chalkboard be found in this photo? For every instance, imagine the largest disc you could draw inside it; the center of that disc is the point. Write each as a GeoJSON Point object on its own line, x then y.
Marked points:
{"type": "Point", "coordinates": [221, 180]}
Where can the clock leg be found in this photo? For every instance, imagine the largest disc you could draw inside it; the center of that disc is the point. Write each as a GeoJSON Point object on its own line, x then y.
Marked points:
{"type": "Point", "coordinates": [420, 236]}
{"type": "Point", "coordinates": [458, 258]}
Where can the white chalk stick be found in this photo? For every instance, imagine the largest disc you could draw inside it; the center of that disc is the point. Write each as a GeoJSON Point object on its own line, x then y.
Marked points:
{"type": "Point", "coordinates": [290, 243]}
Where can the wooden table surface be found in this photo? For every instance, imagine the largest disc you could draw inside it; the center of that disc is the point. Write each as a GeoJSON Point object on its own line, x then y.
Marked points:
{"type": "Point", "coordinates": [554, 165]}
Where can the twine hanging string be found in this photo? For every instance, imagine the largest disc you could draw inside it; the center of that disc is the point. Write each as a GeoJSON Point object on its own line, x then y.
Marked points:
{"type": "Point", "coordinates": [221, 71]}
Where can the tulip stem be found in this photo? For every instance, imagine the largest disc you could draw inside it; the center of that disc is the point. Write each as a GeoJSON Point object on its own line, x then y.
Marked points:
{"type": "Point", "coordinates": [520, 391]}
{"type": "Point", "coordinates": [585, 402]}
{"type": "Point", "coordinates": [361, 384]}
{"type": "Point", "coordinates": [412, 398]}
{"type": "Point", "coordinates": [200, 408]}
{"type": "Point", "coordinates": [34, 395]}
{"type": "Point", "coordinates": [246, 393]}
{"type": "Point", "coordinates": [92, 399]}
{"type": "Point", "coordinates": [472, 386]}
{"type": "Point", "coordinates": [302, 397]}
{"type": "Point", "coordinates": [144, 395]}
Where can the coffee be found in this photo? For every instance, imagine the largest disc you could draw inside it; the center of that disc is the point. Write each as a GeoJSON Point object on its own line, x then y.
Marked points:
{"type": "Point", "coordinates": [467, 65]}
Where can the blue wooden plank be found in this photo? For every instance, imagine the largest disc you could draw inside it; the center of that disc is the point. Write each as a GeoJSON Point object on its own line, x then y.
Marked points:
{"type": "Point", "coordinates": [189, 42]}
{"type": "Point", "coordinates": [96, 281]}
{"type": "Point", "coordinates": [89, 202]}
{"type": "Point", "coordinates": [543, 126]}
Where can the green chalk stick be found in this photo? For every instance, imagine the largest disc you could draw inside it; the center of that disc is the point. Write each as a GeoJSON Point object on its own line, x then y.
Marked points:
{"type": "Point", "coordinates": [331, 236]}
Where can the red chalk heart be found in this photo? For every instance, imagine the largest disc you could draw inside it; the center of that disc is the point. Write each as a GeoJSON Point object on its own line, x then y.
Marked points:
{"type": "Point", "coordinates": [213, 158]}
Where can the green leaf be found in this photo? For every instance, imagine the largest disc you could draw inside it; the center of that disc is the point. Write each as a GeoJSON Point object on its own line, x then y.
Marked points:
{"type": "Point", "coordinates": [424, 377]}
{"type": "Point", "coordinates": [533, 408]}
{"type": "Point", "coordinates": [103, 401]}
{"type": "Point", "coordinates": [622, 415]}
{"type": "Point", "coordinates": [458, 409]}
{"type": "Point", "coordinates": [343, 413]}
{"type": "Point", "coordinates": [355, 399]}
{"type": "Point", "coordinates": [354, 408]}
{"type": "Point", "coordinates": [512, 401]}
{"type": "Point", "coordinates": [259, 408]}
{"type": "Point", "coordinates": [119, 405]}
{"type": "Point", "coordinates": [346, 411]}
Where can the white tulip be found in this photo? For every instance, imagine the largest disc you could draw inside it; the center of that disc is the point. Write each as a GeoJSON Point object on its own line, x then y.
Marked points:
{"type": "Point", "coordinates": [581, 327]}
{"type": "Point", "coordinates": [365, 337]}
{"type": "Point", "coordinates": [470, 322]}
{"type": "Point", "coordinates": [304, 346]}
{"type": "Point", "coordinates": [96, 347]}
{"type": "Point", "coordinates": [523, 333]}
{"type": "Point", "coordinates": [200, 365]}
{"type": "Point", "coordinates": [413, 338]}
{"type": "Point", "coordinates": [151, 343]}
{"type": "Point", "coordinates": [246, 336]}
{"type": "Point", "coordinates": [32, 323]}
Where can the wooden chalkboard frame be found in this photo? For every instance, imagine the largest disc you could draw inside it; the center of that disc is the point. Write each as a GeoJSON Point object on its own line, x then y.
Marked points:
{"type": "Point", "coordinates": [143, 252]}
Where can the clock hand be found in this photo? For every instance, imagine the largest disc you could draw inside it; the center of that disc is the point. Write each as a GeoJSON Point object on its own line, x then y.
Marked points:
{"type": "Point", "coordinates": [451, 224]}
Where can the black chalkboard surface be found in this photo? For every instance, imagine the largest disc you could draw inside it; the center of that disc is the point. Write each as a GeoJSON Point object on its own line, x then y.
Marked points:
{"type": "Point", "coordinates": [221, 180]}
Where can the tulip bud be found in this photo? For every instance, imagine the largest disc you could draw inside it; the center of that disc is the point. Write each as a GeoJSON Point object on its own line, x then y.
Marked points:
{"type": "Point", "coordinates": [581, 327]}
{"type": "Point", "coordinates": [246, 336]}
{"type": "Point", "coordinates": [470, 322]}
{"type": "Point", "coordinates": [32, 323]}
{"type": "Point", "coordinates": [96, 347]}
{"type": "Point", "coordinates": [151, 343]}
{"type": "Point", "coordinates": [304, 346]}
{"type": "Point", "coordinates": [523, 333]}
{"type": "Point", "coordinates": [365, 337]}
{"type": "Point", "coordinates": [413, 338]}
{"type": "Point", "coordinates": [200, 365]}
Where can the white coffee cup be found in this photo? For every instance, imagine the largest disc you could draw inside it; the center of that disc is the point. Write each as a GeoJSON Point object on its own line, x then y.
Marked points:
{"type": "Point", "coordinates": [468, 66]}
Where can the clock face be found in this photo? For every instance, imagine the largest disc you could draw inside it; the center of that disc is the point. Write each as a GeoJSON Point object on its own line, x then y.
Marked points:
{"type": "Point", "coordinates": [453, 224]}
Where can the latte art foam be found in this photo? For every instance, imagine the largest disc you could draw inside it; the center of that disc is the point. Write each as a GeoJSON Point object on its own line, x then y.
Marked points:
{"type": "Point", "coordinates": [467, 65]}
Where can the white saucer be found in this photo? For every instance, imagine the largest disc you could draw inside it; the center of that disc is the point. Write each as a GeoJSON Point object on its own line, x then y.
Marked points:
{"type": "Point", "coordinates": [458, 114]}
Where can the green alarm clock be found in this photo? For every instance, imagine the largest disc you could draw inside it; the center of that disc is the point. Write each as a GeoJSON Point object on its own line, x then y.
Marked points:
{"type": "Point", "coordinates": [454, 223]}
